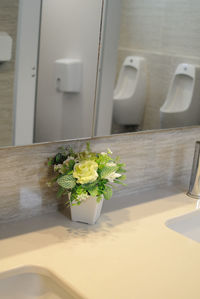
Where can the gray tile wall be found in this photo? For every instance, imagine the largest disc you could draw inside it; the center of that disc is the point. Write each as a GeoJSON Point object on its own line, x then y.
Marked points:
{"type": "Point", "coordinates": [152, 158]}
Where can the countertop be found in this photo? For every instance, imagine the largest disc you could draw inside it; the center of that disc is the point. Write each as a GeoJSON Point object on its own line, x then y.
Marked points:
{"type": "Point", "coordinates": [130, 253]}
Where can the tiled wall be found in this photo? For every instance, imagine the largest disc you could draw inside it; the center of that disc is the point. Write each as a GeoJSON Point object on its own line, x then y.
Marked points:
{"type": "Point", "coordinates": [8, 23]}
{"type": "Point", "coordinates": [152, 159]}
{"type": "Point", "coordinates": [166, 32]}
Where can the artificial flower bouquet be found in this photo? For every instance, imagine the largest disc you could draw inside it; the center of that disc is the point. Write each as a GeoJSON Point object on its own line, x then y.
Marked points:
{"type": "Point", "coordinates": [87, 178]}
{"type": "Point", "coordinates": [85, 174]}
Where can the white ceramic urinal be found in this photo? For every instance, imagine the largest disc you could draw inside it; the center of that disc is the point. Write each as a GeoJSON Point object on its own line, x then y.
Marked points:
{"type": "Point", "coordinates": [182, 105]}
{"type": "Point", "coordinates": [130, 92]}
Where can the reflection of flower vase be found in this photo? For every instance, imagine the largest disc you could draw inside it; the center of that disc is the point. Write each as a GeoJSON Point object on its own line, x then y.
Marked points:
{"type": "Point", "coordinates": [88, 211]}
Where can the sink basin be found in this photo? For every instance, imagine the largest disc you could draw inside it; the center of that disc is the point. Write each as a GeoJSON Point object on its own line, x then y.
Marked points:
{"type": "Point", "coordinates": [187, 225]}
{"type": "Point", "coordinates": [33, 283]}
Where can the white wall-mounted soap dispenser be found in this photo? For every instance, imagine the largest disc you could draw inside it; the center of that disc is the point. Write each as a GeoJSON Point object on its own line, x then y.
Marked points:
{"type": "Point", "coordinates": [68, 74]}
{"type": "Point", "coordinates": [5, 47]}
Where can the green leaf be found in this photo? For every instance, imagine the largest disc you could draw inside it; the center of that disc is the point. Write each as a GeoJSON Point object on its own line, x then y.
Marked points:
{"type": "Point", "coordinates": [71, 164]}
{"type": "Point", "coordinates": [122, 178]}
{"type": "Point", "coordinates": [121, 165]}
{"type": "Point", "coordinates": [107, 170]}
{"type": "Point", "coordinates": [92, 188]}
{"type": "Point", "coordinates": [120, 183]}
{"type": "Point", "coordinates": [62, 150]}
{"type": "Point", "coordinates": [58, 157]}
{"type": "Point", "coordinates": [93, 191]}
{"type": "Point", "coordinates": [102, 160]}
{"type": "Point", "coordinates": [88, 146]}
{"type": "Point", "coordinates": [121, 170]}
{"type": "Point", "coordinates": [90, 185]}
{"type": "Point", "coordinates": [107, 192]}
{"type": "Point", "coordinates": [60, 192]}
{"type": "Point", "coordinates": [99, 198]}
{"type": "Point", "coordinates": [117, 159]}
{"type": "Point", "coordinates": [50, 162]}
{"type": "Point", "coordinates": [67, 181]}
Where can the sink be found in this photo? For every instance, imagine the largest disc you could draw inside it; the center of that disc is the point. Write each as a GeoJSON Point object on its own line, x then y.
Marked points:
{"type": "Point", "coordinates": [187, 225]}
{"type": "Point", "coordinates": [34, 283]}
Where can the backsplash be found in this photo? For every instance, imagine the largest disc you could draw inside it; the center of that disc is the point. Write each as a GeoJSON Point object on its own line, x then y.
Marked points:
{"type": "Point", "coordinates": [152, 158]}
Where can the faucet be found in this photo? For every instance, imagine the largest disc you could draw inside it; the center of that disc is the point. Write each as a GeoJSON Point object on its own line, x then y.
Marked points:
{"type": "Point", "coordinates": [194, 187]}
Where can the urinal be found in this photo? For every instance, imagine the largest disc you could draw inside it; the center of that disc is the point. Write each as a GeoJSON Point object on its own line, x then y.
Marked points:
{"type": "Point", "coordinates": [182, 105]}
{"type": "Point", "coordinates": [130, 92]}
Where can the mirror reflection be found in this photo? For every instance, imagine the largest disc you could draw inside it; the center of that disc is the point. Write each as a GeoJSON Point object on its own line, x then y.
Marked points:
{"type": "Point", "coordinates": [54, 84]}
{"type": "Point", "coordinates": [158, 67]}
{"type": "Point", "coordinates": [8, 32]}
{"type": "Point", "coordinates": [55, 66]}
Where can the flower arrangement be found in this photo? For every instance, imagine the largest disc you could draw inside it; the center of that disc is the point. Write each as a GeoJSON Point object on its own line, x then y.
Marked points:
{"type": "Point", "coordinates": [85, 174]}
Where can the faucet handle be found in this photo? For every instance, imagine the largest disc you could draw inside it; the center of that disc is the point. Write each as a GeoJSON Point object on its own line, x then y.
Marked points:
{"type": "Point", "coordinates": [194, 187]}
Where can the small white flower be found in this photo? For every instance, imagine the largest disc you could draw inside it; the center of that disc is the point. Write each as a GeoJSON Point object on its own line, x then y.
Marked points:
{"type": "Point", "coordinates": [49, 184]}
{"type": "Point", "coordinates": [70, 158]}
{"type": "Point", "coordinates": [112, 176]}
{"type": "Point", "coordinates": [109, 151]}
{"type": "Point", "coordinates": [103, 153]}
{"type": "Point", "coordinates": [111, 164]}
{"type": "Point", "coordinates": [66, 162]}
{"type": "Point", "coordinates": [82, 197]}
{"type": "Point", "coordinates": [57, 167]}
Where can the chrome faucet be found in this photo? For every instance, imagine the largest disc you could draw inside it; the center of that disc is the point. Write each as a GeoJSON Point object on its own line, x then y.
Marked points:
{"type": "Point", "coordinates": [194, 188]}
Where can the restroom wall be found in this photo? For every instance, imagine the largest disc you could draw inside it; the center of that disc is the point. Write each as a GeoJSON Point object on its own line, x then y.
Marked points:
{"type": "Point", "coordinates": [8, 23]}
{"type": "Point", "coordinates": [166, 33]}
{"type": "Point", "coordinates": [153, 159]}
{"type": "Point", "coordinates": [69, 29]}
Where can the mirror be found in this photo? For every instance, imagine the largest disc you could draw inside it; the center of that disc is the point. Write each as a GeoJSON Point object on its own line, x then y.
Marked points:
{"type": "Point", "coordinates": [157, 83]}
{"type": "Point", "coordinates": [48, 99]}
{"type": "Point", "coordinates": [8, 24]}
{"type": "Point", "coordinates": [144, 76]}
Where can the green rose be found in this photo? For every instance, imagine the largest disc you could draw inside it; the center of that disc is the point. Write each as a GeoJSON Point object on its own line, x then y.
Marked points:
{"type": "Point", "coordinates": [85, 172]}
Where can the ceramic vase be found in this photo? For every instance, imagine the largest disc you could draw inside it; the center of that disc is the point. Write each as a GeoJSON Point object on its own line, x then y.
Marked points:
{"type": "Point", "coordinates": [87, 212]}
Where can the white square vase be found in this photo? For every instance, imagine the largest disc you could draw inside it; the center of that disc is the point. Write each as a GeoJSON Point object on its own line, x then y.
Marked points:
{"type": "Point", "coordinates": [87, 212]}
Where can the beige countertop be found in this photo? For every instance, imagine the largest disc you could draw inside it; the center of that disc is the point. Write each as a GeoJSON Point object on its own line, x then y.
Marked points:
{"type": "Point", "coordinates": [129, 253]}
